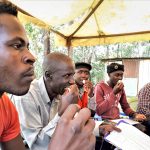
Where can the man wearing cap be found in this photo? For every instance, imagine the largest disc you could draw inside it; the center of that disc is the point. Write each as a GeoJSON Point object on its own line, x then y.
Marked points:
{"type": "Point", "coordinates": [85, 86]}
{"type": "Point", "coordinates": [109, 94]}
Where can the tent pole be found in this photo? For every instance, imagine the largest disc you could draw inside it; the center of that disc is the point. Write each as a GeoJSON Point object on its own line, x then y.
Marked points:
{"type": "Point", "coordinates": [47, 42]}
{"type": "Point", "coordinates": [69, 46]}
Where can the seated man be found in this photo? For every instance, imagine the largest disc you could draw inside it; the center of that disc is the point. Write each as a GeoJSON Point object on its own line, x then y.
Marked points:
{"type": "Point", "coordinates": [85, 86]}
{"type": "Point", "coordinates": [17, 72]}
{"type": "Point", "coordinates": [143, 106]}
{"type": "Point", "coordinates": [40, 109]}
{"type": "Point", "coordinates": [108, 95]}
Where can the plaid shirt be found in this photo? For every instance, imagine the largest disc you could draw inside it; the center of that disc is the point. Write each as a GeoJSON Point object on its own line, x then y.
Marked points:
{"type": "Point", "coordinates": [144, 100]}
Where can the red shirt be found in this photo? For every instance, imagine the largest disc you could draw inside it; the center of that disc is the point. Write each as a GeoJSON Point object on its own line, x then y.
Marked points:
{"type": "Point", "coordinates": [9, 121]}
{"type": "Point", "coordinates": [107, 102]}
{"type": "Point", "coordinates": [83, 101]}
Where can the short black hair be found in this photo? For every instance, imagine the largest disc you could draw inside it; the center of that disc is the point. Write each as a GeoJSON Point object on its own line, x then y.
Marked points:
{"type": "Point", "coordinates": [8, 8]}
{"type": "Point", "coordinates": [82, 65]}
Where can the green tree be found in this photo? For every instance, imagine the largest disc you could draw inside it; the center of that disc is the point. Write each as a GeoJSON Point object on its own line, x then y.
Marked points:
{"type": "Point", "coordinates": [91, 54]}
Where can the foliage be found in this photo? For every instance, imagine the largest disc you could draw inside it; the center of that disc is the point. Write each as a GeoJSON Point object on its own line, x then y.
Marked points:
{"type": "Point", "coordinates": [132, 100]}
{"type": "Point", "coordinates": [35, 35]}
{"type": "Point", "coordinates": [90, 54]}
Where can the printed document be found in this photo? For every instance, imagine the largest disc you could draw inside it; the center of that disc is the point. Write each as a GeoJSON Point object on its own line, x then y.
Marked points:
{"type": "Point", "coordinates": [130, 138]}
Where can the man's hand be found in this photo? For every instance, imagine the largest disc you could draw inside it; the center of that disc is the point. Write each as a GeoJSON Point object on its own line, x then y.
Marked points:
{"type": "Point", "coordinates": [139, 117]}
{"type": "Point", "coordinates": [88, 87]}
{"type": "Point", "coordinates": [105, 129]}
{"type": "Point", "coordinates": [118, 87]}
{"type": "Point", "coordinates": [69, 97]}
{"type": "Point", "coordinates": [74, 133]}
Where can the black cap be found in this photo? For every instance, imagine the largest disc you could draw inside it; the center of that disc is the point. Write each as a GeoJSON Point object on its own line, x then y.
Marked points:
{"type": "Point", "coordinates": [83, 65]}
{"type": "Point", "coordinates": [114, 67]}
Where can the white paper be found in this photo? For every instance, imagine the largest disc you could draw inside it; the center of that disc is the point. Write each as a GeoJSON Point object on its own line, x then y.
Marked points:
{"type": "Point", "coordinates": [130, 138]}
{"type": "Point", "coordinates": [129, 121]}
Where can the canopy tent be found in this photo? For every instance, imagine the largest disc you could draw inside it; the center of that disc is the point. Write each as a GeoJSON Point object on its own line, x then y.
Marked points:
{"type": "Point", "coordinates": [89, 22]}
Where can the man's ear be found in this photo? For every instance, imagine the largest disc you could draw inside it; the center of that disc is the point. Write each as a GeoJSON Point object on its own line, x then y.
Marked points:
{"type": "Point", "coordinates": [48, 75]}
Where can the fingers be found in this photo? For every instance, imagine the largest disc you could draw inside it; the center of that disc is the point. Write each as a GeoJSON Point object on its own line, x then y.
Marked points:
{"type": "Point", "coordinates": [90, 125]}
{"type": "Point", "coordinates": [81, 119]}
{"type": "Point", "coordinates": [83, 115]}
{"type": "Point", "coordinates": [77, 130]}
{"type": "Point", "coordinates": [140, 117]}
{"type": "Point", "coordinates": [116, 129]}
{"type": "Point", "coordinates": [73, 87]}
{"type": "Point", "coordinates": [120, 85]}
{"type": "Point", "coordinates": [88, 84]}
{"type": "Point", "coordinates": [105, 129]}
{"type": "Point", "coordinates": [74, 90]}
{"type": "Point", "coordinates": [87, 134]}
{"type": "Point", "coordinates": [92, 142]}
{"type": "Point", "coordinates": [70, 112]}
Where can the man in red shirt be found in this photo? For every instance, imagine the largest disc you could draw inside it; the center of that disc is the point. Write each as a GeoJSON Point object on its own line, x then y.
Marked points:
{"type": "Point", "coordinates": [109, 94]}
{"type": "Point", "coordinates": [16, 74]}
{"type": "Point", "coordinates": [85, 86]}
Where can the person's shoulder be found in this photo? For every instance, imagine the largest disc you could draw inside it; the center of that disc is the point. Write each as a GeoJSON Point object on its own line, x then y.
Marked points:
{"type": "Point", "coordinates": [101, 83]}
{"type": "Point", "coordinates": [6, 100]}
{"type": "Point", "coordinates": [7, 103]}
{"type": "Point", "coordinates": [146, 88]}
{"type": "Point", "coordinates": [9, 119]}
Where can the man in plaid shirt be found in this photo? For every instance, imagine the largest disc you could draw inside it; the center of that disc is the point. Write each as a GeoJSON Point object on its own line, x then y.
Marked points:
{"type": "Point", "coordinates": [144, 100]}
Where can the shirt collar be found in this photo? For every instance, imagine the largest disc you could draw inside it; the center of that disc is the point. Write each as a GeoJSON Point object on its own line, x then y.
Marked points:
{"type": "Point", "coordinates": [43, 90]}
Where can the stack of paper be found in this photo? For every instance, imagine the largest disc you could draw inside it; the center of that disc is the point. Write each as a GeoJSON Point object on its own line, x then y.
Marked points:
{"type": "Point", "coordinates": [130, 138]}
